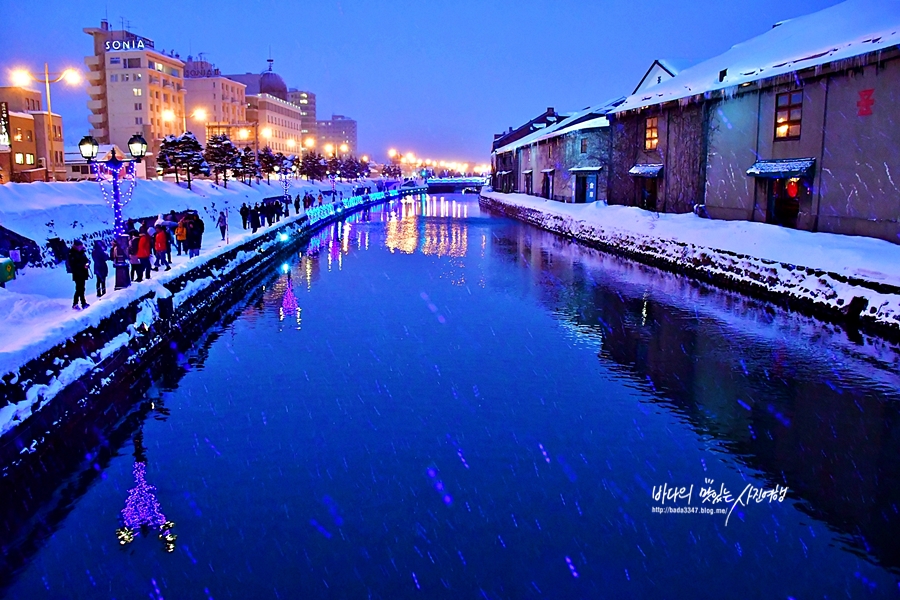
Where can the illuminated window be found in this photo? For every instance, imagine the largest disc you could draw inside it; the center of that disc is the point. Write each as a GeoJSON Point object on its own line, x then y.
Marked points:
{"type": "Point", "coordinates": [788, 113]}
{"type": "Point", "coordinates": [651, 133]}
{"type": "Point", "coordinates": [29, 159]}
{"type": "Point", "coordinates": [138, 76]}
{"type": "Point", "coordinates": [20, 158]}
{"type": "Point", "coordinates": [126, 77]}
{"type": "Point", "coordinates": [138, 91]}
{"type": "Point", "coordinates": [29, 135]}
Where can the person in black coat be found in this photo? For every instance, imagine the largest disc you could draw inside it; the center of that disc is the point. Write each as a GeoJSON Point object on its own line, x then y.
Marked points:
{"type": "Point", "coordinates": [254, 218]}
{"type": "Point", "coordinates": [101, 268]}
{"type": "Point", "coordinates": [245, 214]}
{"type": "Point", "coordinates": [78, 266]}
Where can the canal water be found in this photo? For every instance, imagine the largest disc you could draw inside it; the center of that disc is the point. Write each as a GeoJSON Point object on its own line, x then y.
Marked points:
{"type": "Point", "coordinates": [427, 401]}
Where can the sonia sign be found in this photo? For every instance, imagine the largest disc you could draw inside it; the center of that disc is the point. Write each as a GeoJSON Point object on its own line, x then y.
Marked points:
{"type": "Point", "coordinates": [135, 43]}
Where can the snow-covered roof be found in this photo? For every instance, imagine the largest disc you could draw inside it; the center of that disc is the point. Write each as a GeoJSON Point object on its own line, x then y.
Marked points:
{"type": "Point", "coordinates": [589, 124]}
{"type": "Point", "coordinates": [640, 170]}
{"type": "Point", "coordinates": [676, 65]}
{"type": "Point", "coordinates": [781, 168]}
{"type": "Point", "coordinates": [851, 28]}
{"type": "Point", "coordinates": [21, 115]}
{"type": "Point", "coordinates": [572, 123]}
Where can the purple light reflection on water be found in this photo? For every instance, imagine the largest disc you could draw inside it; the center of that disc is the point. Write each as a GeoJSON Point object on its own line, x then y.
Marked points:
{"type": "Point", "coordinates": [142, 507]}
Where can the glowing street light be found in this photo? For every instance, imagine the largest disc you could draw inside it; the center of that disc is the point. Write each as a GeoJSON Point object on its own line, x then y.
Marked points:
{"type": "Point", "coordinates": [344, 148]}
{"type": "Point", "coordinates": [329, 149]}
{"type": "Point", "coordinates": [199, 114]}
{"type": "Point", "coordinates": [392, 153]}
{"type": "Point", "coordinates": [23, 77]}
{"type": "Point", "coordinates": [310, 143]}
{"type": "Point", "coordinates": [243, 134]}
{"type": "Point", "coordinates": [267, 132]}
{"type": "Point", "coordinates": [291, 143]}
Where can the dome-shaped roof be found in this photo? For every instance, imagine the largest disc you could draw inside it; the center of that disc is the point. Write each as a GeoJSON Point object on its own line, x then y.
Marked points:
{"type": "Point", "coordinates": [272, 83]}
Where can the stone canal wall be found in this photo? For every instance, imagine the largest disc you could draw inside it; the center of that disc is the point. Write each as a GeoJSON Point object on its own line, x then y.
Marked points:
{"type": "Point", "coordinates": [45, 392]}
{"type": "Point", "coordinates": [837, 297]}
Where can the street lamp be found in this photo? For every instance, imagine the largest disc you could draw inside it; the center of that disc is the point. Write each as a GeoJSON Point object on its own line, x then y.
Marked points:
{"type": "Point", "coordinates": [329, 149]}
{"type": "Point", "coordinates": [199, 114]}
{"type": "Point", "coordinates": [344, 148]}
{"type": "Point", "coordinates": [22, 77]}
{"type": "Point", "coordinates": [111, 171]}
{"type": "Point", "coordinates": [286, 171]}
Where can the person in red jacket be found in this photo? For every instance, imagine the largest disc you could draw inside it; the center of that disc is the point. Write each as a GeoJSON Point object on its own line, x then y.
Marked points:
{"type": "Point", "coordinates": [144, 249]}
{"type": "Point", "coordinates": [161, 248]}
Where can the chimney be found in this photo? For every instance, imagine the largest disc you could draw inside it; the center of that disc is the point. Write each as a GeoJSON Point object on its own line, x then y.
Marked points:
{"type": "Point", "coordinates": [550, 110]}
{"type": "Point", "coordinates": [104, 24]}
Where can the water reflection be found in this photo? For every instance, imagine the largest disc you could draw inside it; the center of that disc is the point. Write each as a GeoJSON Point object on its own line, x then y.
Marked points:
{"type": "Point", "coordinates": [810, 409]}
{"type": "Point", "coordinates": [143, 514]}
{"type": "Point", "coordinates": [373, 464]}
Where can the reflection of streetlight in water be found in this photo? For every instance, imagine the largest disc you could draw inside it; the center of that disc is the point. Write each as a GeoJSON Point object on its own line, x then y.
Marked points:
{"type": "Point", "coordinates": [142, 513]}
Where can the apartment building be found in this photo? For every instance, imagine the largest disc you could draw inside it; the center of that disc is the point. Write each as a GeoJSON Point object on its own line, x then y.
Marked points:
{"type": "Point", "coordinates": [134, 88]}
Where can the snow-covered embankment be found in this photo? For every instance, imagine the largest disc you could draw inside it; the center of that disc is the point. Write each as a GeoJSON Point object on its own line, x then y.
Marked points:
{"type": "Point", "coordinates": [837, 276]}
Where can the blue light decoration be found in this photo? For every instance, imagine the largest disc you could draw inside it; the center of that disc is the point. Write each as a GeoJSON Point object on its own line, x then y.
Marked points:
{"type": "Point", "coordinates": [282, 237]}
{"type": "Point", "coordinates": [108, 175]}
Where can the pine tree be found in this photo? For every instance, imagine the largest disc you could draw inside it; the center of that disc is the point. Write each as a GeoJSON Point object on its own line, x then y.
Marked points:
{"type": "Point", "coordinates": [190, 156]}
{"type": "Point", "coordinates": [167, 159]}
{"type": "Point", "coordinates": [266, 159]}
{"type": "Point", "coordinates": [248, 166]}
{"type": "Point", "coordinates": [350, 168]}
{"type": "Point", "coordinates": [333, 167]}
{"type": "Point", "coordinates": [309, 166]}
{"type": "Point", "coordinates": [222, 156]}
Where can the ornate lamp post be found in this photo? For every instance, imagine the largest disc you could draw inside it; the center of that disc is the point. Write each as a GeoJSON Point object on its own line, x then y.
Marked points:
{"type": "Point", "coordinates": [287, 170]}
{"type": "Point", "coordinates": [112, 171]}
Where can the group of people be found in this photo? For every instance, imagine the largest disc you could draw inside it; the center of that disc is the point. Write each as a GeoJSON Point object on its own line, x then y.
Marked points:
{"type": "Point", "coordinates": [148, 247]}
{"type": "Point", "coordinates": [308, 201]}
{"type": "Point", "coordinates": [261, 215]}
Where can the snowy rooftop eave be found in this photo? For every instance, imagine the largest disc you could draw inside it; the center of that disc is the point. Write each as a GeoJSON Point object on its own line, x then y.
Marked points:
{"type": "Point", "coordinates": [847, 30]}
{"type": "Point", "coordinates": [575, 120]}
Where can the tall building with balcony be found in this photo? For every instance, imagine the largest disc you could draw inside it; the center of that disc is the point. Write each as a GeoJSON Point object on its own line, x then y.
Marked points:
{"type": "Point", "coordinates": [42, 155]}
{"type": "Point", "coordinates": [336, 131]}
{"type": "Point", "coordinates": [307, 103]}
{"type": "Point", "coordinates": [215, 104]}
{"type": "Point", "coordinates": [134, 88]}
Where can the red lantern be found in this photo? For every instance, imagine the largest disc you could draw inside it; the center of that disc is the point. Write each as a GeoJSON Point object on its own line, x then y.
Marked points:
{"type": "Point", "coordinates": [793, 188]}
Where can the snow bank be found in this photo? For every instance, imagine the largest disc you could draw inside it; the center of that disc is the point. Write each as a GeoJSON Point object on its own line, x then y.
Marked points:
{"type": "Point", "coordinates": [826, 269]}
{"type": "Point", "coordinates": [36, 309]}
{"type": "Point", "coordinates": [70, 210]}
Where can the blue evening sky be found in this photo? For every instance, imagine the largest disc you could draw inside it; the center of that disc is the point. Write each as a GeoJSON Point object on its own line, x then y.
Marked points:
{"type": "Point", "coordinates": [436, 78]}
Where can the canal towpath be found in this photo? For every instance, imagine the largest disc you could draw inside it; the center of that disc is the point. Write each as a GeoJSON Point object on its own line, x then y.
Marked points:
{"type": "Point", "coordinates": [36, 309]}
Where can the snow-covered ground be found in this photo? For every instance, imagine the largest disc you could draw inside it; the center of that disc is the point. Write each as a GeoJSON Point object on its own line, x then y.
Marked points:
{"type": "Point", "coordinates": [36, 308]}
{"type": "Point", "coordinates": [802, 264]}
